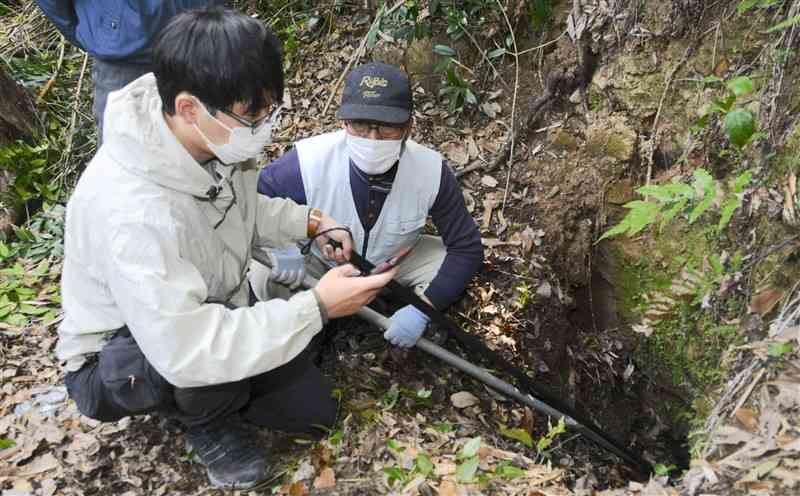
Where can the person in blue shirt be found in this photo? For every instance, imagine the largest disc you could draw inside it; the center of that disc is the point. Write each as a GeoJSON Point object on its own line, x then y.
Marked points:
{"type": "Point", "coordinates": [118, 34]}
{"type": "Point", "coordinates": [383, 185]}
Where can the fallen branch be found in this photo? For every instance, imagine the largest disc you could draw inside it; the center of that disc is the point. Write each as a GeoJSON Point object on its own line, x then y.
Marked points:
{"type": "Point", "coordinates": [513, 106]}
{"type": "Point", "coordinates": [49, 83]}
{"type": "Point", "coordinates": [358, 53]}
{"type": "Point", "coordinates": [74, 119]}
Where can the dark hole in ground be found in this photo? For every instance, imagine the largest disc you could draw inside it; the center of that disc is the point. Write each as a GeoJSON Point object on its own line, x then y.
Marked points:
{"type": "Point", "coordinates": [632, 404]}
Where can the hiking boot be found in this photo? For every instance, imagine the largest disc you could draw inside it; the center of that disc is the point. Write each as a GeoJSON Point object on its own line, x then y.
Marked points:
{"type": "Point", "coordinates": [225, 448]}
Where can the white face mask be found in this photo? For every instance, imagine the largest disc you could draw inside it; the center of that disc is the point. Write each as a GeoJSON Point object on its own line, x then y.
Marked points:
{"type": "Point", "coordinates": [242, 143]}
{"type": "Point", "coordinates": [373, 156]}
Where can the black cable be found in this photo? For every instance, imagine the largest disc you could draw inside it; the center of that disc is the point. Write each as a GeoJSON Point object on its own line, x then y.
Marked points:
{"type": "Point", "coordinates": [307, 247]}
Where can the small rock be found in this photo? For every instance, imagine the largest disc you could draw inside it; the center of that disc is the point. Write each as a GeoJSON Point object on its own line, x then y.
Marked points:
{"type": "Point", "coordinates": [545, 290]}
{"type": "Point", "coordinates": [463, 399]}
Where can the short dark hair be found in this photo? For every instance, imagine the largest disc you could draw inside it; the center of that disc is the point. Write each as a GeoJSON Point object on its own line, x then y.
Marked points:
{"type": "Point", "coordinates": [219, 55]}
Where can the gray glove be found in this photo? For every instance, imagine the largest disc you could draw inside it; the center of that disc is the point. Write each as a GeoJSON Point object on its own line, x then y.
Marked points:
{"type": "Point", "coordinates": [407, 326]}
{"type": "Point", "coordinates": [288, 266]}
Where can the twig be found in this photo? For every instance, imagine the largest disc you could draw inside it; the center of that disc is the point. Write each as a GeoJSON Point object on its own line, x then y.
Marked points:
{"type": "Point", "coordinates": [461, 65]}
{"type": "Point", "coordinates": [74, 118]}
{"type": "Point", "coordinates": [471, 167]}
{"type": "Point", "coordinates": [539, 47]}
{"type": "Point", "coordinates": [280, 11]}
{"type": "Point", "coordinates": [485, 57]}
{"type": "Point", "coordinates": [358, 53]}
{"type": "Point", "coordinates": [654, 130]}
{"type": "Point", "coordinates": [769, 251]}
{"type": "Point", "coordinates": [714, 53]}
{"type": "Point", "coordinates": [513, 106]}
{"type": "Point", "coordinates": [52, 79]}
{"type": "Point", "coordinates": [747, 392]}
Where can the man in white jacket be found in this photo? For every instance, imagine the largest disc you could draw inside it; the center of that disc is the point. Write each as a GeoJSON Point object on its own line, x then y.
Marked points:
{"type": "Point", "coordinates": [158, 240]}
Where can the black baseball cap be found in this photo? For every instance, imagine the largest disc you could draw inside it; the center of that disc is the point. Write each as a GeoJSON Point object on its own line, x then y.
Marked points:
{"type": "Point", "coordinates": [376, 92]}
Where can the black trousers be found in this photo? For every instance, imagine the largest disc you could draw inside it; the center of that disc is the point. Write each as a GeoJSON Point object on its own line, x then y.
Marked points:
{"type": "Point", "coordinates": [120, 382]}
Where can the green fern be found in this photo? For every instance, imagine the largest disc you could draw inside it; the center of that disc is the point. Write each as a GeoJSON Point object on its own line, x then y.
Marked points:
{"type": "Point", "coordinates": [663, 203]}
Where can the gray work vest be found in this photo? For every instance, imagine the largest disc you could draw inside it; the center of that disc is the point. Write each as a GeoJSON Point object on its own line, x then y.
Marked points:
{"type": "Point", "coordinates": [325, 167]}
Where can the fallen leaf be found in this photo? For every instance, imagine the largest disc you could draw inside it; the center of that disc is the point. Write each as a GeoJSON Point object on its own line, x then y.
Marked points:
{"type": "Point", "coordinates": [763, 302]}
{"type": "Point", "coordinates": [49, 487]}
{"type": "Point", "coordinates": [489, 204]}
{"type": "Point", "coordinates": [326, 479]}
{"type": "Point", "coordinates": [298, 489]}
{"type": "Point", "coordinates": [472, 148]}
{"type": "Point", "coordinates": [491, 109]}
{"type": "Point", "coordinates": [448, 488]}
{"type": "Point", "coordinates": [747, 418]}
{"type": "Point", "coordinates": [789, 478]}
{"type": "Point", "coordinates": [443, 466]}
{"type": "Point", "coordinates": [40, 464]}
{"type": "Point", "coordinates": [463, 399]}
{"type": "Point", "coordinates": [304, 471]}
{"type": "Point", "coordinates": [489, 181]}
{"type": "Point", "coordinates": [456, 152]}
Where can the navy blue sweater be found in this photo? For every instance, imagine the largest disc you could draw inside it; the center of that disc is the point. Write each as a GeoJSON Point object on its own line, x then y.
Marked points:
{"type": "Point", "coordinates": [116, 30]}
{"type": "Point", "coordinates": [282, 178]}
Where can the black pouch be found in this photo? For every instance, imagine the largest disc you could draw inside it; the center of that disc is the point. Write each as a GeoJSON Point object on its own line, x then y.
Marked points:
{"type": "Point", "coordinates": [130, 382]}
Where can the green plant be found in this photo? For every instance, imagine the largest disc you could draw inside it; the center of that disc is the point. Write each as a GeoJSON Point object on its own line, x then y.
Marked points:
{"type": "Point", "coordinates": [455, 88]}
{"type": "Point", "coordinates": [506, 470]}
{"type": "Point", "coordinates": [739, 123]}
{"type": "Point", "coordinates": [443, 427]}
{"type": "Point", "coordinates": [469, 460]}
{"type": "Point", "coordinates": [665, 202]}
{"type": "Point", "coordinates": [553, 431]}
{"type": "Point", "coordinates": [188, 457]}
{"type": "Point", "coordinates": [28, 165]}
{"type": "Point", "coordinates": [524, 296]}
{"type": "Point", "coordinates": [540, 13]}
{"type": "Point", "coordinates": [661, 469]}
{"type": "Point", "coordinates": [517, 434]}
{"type": "Point", "coordinates": [29, 290]}
{"type": "Point", "coordinates": [407, 22]}
{"type": "Point", "coordinates": [389, 399]}
{"type": "Point", "coordinates": [748, 5]}
{"type": "Point", "coordinates": [422, 465]}
{"type": "Point", "coordinates": [777, 350]}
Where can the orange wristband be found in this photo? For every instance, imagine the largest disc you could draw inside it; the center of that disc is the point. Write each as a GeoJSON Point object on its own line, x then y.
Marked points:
{"type": "Point", "coordinates": [314, 220]}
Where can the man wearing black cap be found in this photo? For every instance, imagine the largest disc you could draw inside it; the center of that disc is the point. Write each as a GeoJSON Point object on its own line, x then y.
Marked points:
{"type": "Point", "coordinates": [373, 178]}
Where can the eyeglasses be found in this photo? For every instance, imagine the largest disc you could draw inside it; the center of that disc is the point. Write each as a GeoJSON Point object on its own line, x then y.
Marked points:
{"type": "Point", "coordinates": [385, 131]}
{"type": "Point", "coordinates": [255, 127]}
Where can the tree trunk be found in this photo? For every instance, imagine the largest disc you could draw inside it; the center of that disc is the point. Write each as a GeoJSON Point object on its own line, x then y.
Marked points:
{"type": "Point", "coordinates": [17, 121]}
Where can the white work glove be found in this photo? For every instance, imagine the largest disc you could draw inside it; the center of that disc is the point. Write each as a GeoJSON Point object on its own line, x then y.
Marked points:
{"type": "Point", "coordinates": [407, 327]}
{"type": "Point", "coordinates": [288, 266]}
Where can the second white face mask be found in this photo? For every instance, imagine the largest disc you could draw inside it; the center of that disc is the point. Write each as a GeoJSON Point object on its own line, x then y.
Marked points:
{"type": "Point", "coordinates": [373, 156]}
{"type": "Point", "coordinates": [242, 143]}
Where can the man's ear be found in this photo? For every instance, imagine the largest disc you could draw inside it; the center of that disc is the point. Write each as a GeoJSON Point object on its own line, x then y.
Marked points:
{"type": "Point", "coordinates": [187, 107]}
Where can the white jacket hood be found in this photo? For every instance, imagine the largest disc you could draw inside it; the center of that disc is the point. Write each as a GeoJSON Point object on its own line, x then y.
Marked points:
{"type": "Point", "coordinates": [142, 142]}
